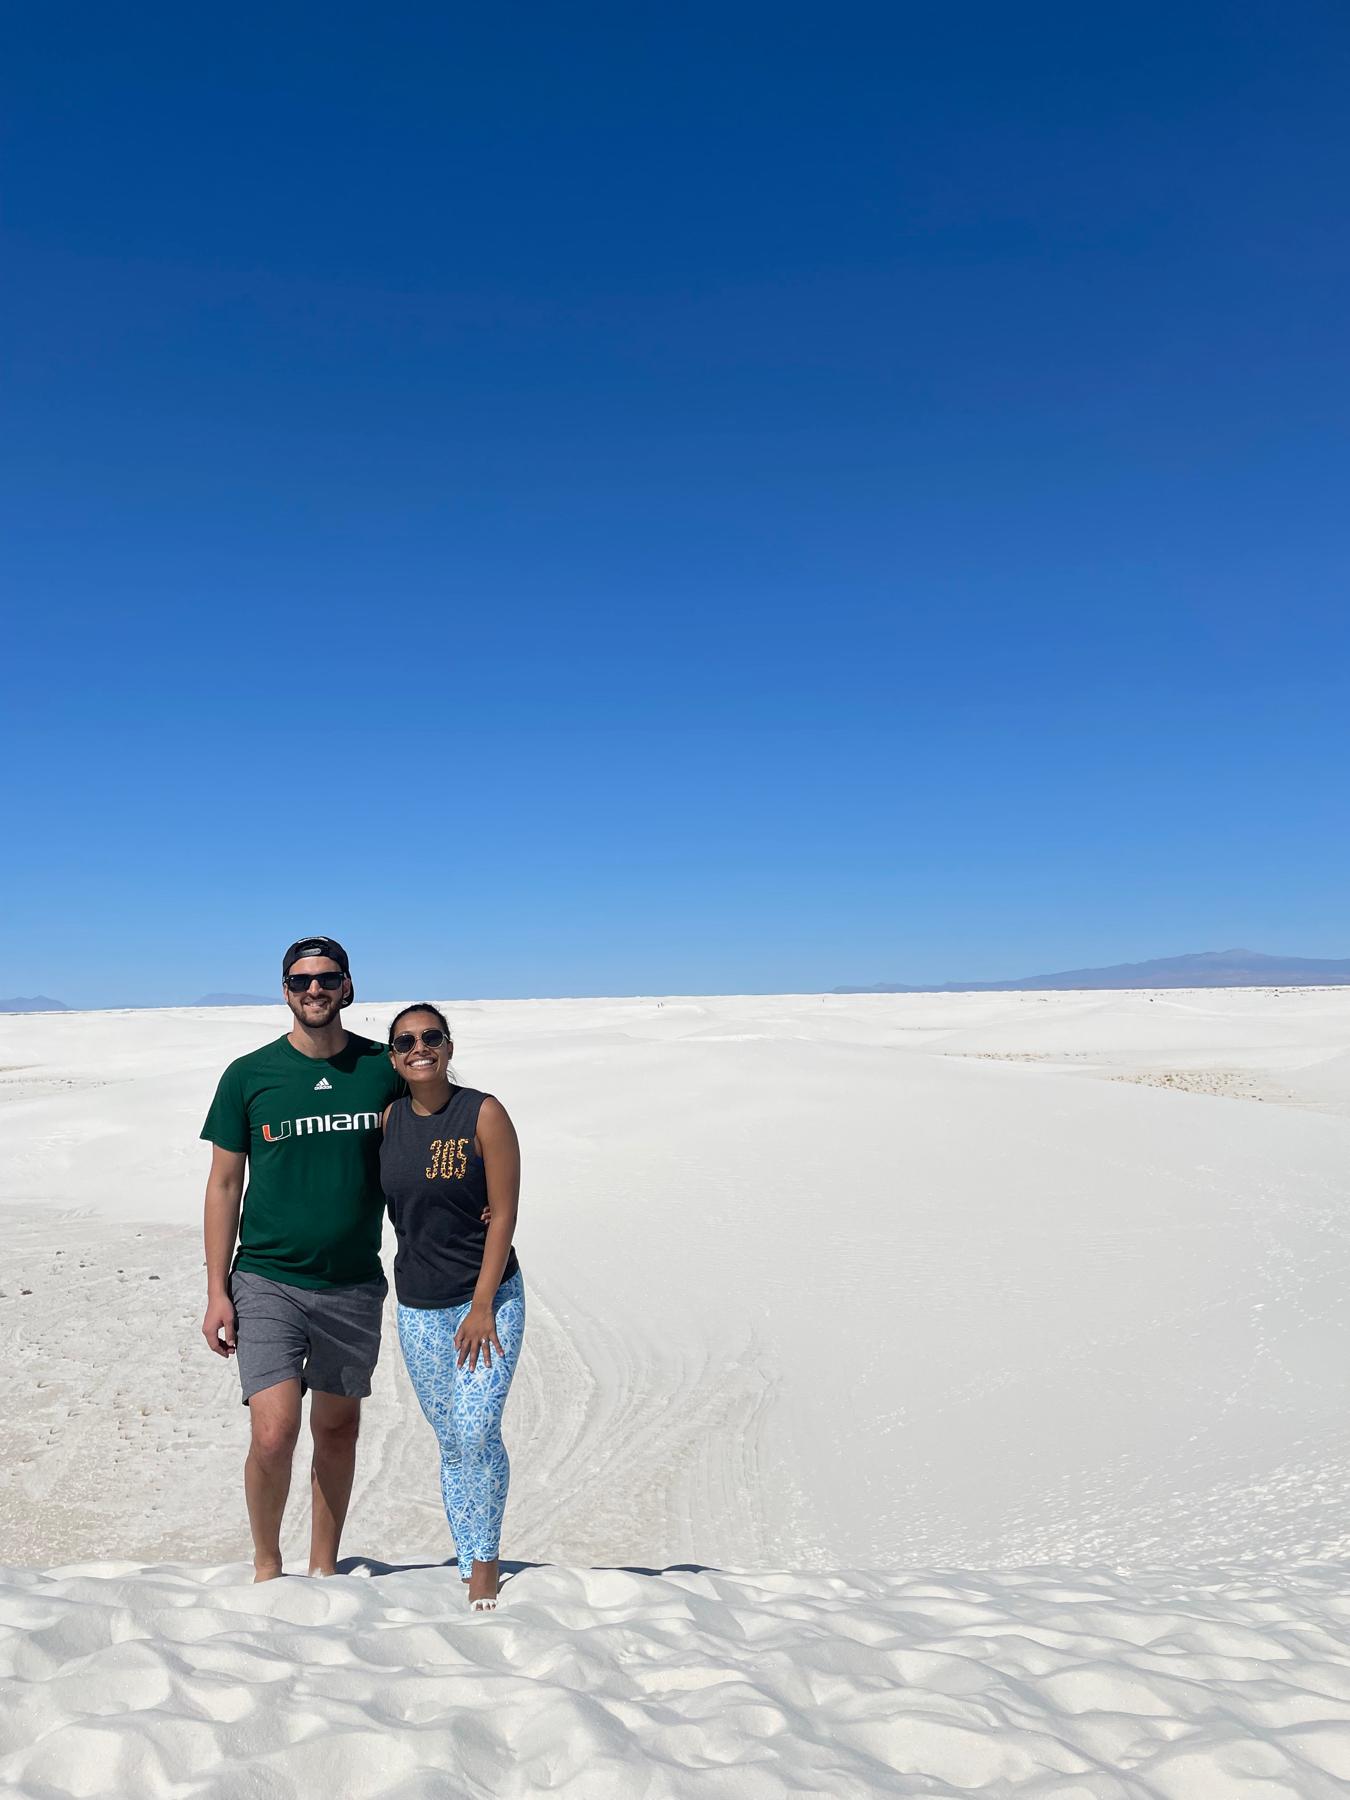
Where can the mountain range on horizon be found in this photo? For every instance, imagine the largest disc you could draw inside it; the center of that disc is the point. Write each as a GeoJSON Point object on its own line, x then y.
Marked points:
{"type": "Point", "coordinates": [1200, 969]}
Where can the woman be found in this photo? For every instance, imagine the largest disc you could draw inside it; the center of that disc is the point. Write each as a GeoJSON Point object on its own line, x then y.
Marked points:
{"type": "Point", "coordinates": [450, 1169]}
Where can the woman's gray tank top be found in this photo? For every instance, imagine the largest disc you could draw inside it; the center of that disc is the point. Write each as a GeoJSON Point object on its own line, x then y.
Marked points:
{"type": "Point", "coordinates": [436, 1189]}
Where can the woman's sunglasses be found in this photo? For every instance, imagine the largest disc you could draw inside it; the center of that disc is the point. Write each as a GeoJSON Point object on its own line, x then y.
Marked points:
{"type": "Point", "coordinates": [429, 1040]}
{"type": "Point", "coordinates": [330, 981]}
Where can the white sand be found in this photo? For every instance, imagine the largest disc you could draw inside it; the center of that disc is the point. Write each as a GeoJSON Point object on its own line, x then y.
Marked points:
{"type": "Point", "coordinates": [891, 1283]}
{"type": "Point", "coordinates": [178, 1681]}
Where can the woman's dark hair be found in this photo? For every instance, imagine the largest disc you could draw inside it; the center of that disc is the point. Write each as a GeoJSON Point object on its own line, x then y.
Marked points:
{"type": "Point", "coordinates": [422, 1006]}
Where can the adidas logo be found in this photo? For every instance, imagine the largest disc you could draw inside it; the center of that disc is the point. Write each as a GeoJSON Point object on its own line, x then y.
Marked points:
{"type": "Point", "coordinates": [323, 1085]}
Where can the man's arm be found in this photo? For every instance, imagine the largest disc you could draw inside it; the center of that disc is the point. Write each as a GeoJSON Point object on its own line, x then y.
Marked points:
{"type": "Point", "coordinates": [224, 1192]}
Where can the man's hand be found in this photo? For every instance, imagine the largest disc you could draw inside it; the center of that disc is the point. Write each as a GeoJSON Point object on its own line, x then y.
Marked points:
{"type": "Point", "coordinates": [219, 1324]}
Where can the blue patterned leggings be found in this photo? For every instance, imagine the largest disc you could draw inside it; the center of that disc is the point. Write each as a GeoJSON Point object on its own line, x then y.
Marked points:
{"type": "Point", "coordinates": [464, 1408]}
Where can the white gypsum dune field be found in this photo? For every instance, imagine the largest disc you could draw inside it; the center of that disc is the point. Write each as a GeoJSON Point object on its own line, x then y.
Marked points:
{"type": "Point", "coordinates": [935, 1395]}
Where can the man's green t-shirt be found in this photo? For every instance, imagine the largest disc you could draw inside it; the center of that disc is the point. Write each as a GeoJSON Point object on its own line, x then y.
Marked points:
{"type": "Point", "coordinates": [313, 1209]}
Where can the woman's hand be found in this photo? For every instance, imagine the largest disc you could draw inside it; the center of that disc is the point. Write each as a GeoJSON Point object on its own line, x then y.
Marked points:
{"type": "Point", "coordinates": [476, 1336]}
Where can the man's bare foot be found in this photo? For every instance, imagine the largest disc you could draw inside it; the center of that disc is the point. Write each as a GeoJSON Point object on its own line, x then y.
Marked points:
{"type": "Point", "coordinates": [267, 1568]}
{"type": "Point", "coordinates": [483, 1587]}
{"type": "Point", "coordinates": [321, 1572]}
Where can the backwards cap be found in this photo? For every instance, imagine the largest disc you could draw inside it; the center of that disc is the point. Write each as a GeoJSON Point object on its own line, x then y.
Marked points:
{"type": "Point", "coordinates": [316, 946]}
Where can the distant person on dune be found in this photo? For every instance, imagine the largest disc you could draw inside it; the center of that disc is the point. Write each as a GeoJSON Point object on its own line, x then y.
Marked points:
{"type": "Point", "coordinates": [299, 1305]}
{"type": "Point", "coordinates": [450, 1167]}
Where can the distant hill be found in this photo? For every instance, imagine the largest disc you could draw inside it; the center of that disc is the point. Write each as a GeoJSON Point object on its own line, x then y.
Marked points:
{"type": "Point", "coordinates": [37, 1003]}
{"type": "Point", "coordinates": [239, 1000]}
{"type": "Point", "coordinates": [1203, 969]}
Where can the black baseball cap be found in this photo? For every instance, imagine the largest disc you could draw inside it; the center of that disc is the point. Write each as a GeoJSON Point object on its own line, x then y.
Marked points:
{"type": "Point", "coordinates": [315, 946]}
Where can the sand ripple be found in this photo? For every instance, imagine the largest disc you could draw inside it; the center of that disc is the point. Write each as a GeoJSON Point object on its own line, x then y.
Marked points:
{"type": "Point", "coordinates": [1080, 1685]}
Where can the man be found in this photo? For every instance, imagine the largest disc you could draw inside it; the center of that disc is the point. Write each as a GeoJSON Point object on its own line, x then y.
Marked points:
{"type": "Point", "coordinates": [301, 1306]}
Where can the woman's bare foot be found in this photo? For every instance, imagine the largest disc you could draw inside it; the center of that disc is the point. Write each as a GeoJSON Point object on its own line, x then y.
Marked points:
{"type": "Point", "coordinates": [321, 1572]}
{"type": "Point", "coordinates": [267, 1568]}
{"type": "Point", "coordinates": [483, 1587]}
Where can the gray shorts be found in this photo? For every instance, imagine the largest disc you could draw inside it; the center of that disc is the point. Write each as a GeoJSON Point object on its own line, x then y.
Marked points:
{"type": "Point", "coordinates": [326, 1338]}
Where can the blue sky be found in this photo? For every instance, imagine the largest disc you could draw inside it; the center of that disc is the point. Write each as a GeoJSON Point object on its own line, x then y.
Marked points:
{"type": "Point", "coordinates": [605, 500]}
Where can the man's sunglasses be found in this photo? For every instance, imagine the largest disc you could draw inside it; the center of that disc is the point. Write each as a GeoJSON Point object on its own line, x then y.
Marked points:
{"type": "Point", "coordinates": [330, 981]}
{"type": "Point", "coordinates": [429, 1040]}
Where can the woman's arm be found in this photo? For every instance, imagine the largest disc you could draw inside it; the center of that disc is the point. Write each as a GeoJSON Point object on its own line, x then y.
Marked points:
{"type": "Point", "coordinates": [500, 1149]}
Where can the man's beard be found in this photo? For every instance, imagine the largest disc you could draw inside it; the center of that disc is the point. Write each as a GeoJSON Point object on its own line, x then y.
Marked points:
{"type": "Point", "coordinates": [315, 1015]}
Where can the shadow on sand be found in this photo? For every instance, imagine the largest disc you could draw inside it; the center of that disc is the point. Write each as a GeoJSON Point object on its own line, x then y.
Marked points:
{"type": "Point", "coordinates": [370, 1565]}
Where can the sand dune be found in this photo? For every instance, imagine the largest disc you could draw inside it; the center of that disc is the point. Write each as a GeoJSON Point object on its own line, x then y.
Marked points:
{"type": "Point", "coordinates": [880, 1283]}
{"type": "Point", "coordinates": [610, 1683]}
